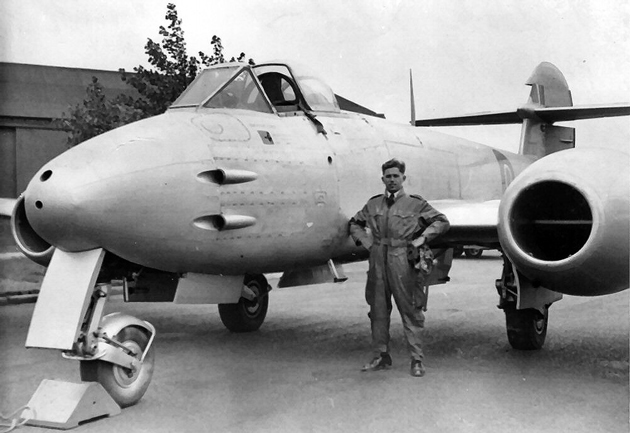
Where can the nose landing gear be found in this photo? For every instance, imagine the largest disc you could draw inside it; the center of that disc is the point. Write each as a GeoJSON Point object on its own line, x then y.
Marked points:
{"type": "Point", "coordinates": [126, 385]}
{"type": "Point", "coordinates": [123, 363]}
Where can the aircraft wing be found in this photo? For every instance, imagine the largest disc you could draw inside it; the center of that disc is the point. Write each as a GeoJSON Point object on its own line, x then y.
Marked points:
{"type": "Point", "coordinates": [6, 206]}
{"type": "Point", "coordinates": [547, 114]}
{"type": "Point", "coordinates": [471, 222]}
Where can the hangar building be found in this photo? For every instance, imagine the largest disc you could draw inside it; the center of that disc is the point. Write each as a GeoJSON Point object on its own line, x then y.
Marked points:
{"type": "Point", "coordinates": [32, 100]}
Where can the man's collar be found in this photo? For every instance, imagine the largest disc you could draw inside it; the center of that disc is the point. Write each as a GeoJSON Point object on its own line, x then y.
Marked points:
{"type": "Point", "coordinates": [397, 194]}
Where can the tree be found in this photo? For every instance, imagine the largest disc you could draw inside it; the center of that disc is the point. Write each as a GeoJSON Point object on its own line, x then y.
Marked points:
{"type": "Point", "coordinates": [97, 114]}
{"type": "Point", "coordinates": [172, 71]}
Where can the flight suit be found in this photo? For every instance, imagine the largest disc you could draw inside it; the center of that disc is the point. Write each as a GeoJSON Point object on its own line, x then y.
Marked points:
{"type": "Point", "coordinates": [390, 273]}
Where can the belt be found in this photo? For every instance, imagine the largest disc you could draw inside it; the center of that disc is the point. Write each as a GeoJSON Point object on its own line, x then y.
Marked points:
{"type": "Point", "coordinates": [392, 242]}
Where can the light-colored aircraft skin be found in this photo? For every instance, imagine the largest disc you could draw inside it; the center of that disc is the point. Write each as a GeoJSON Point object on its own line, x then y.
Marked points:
{"type": "Point", "coordinates": [154, 199]}
{"type": "Point", "coordinates": [151, 192]}
{"type": "Point", "coordinates": [214, 193]}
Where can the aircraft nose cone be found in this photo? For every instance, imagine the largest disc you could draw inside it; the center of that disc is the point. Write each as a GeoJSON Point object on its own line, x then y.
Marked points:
{"type": "Point", "coordinates": [53, 204]}
{"type": "Point", "coordinates": [151, 182]}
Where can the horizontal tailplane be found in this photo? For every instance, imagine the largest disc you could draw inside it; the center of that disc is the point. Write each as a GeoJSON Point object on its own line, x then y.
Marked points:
{"type": "Point", "coordinates": [549, 101]}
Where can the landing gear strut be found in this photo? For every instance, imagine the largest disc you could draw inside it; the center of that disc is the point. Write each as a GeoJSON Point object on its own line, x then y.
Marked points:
{"type": "Point", "coordinates": [115, 351]}
{"type": "Point", "coordinates": [125, 385]}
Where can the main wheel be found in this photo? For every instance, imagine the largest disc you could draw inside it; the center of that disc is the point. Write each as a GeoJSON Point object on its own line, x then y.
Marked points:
{"type": "Point", "coordinates": [246, 315]}
{"type": "Point", "coordinates": [473, 253]}
{"type": "Point", "coordinates": [124, 385]}
{"type": "Point", "coordinates": [526, 329]}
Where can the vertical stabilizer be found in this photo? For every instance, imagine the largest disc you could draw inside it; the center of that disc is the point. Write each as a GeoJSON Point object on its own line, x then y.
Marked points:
{"type": "Point", "coordinates": [549, 89]}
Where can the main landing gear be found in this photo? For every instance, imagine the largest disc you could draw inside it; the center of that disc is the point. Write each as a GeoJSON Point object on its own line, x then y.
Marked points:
{"type": "Point", "coordinates": [526, 327]}
{"type": "Point", "coordinates": [250, 311]}
{"type": "Point", "coordinates": [470, 252]}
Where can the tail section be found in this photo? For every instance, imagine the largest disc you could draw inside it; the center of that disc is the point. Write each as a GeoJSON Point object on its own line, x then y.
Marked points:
{"type": "Point", "coordinates": [549, 101]}
{"type": "Point", "coordinates": [549, 89]}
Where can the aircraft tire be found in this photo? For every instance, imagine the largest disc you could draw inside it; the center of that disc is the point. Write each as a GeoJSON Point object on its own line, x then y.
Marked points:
{"type": "Point", "coordinates": [458, 251]}
{"type": "Point", "coordinates": [125, 387]}
{"type": "Point", "coordinates": [246, 315]}
{"type": "Point", "coordinates": [473, 253]}
{"type": "Point", "coordinates": [526, 329]}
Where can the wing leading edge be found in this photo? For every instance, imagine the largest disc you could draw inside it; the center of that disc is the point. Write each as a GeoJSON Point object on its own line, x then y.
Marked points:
{"type": "Point", "coordinates": [6, 206]}
{"type": "Point", "coordinates": [471, 222]}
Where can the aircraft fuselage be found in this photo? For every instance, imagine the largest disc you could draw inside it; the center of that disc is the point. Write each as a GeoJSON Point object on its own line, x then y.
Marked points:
{"type": "Point", "coordinates": [233, 191]}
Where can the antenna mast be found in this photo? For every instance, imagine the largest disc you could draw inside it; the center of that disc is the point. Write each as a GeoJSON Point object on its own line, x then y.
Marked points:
{"type": "Point", "coordinates": [412, 100]}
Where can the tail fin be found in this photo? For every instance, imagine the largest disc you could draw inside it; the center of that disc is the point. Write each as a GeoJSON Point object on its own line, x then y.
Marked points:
{"type": "Point", "coordinates": [549, 101]}
{"type": "Point", "coordinates": [549, 89]}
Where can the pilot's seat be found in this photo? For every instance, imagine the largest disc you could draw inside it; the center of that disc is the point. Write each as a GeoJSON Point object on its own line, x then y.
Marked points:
{"type": "Point", "coordinates": [279, 89]}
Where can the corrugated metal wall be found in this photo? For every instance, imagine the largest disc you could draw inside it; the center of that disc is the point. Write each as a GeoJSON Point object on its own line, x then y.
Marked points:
{"type": "Point", "coordinates": [8, 176]}
{"type": "Point", "coordinates": [34, 148]}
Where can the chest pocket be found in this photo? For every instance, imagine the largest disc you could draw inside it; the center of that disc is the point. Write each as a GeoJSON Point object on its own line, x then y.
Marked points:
{"type": "Point", "coordinates": [379, 216]}
{"type": "Point", "coordinates": [402, 224]}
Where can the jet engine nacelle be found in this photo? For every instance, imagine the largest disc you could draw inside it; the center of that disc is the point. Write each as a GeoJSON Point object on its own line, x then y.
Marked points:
{"type": "Point", "coordinates": [27, 239]}
{"type": "Point", "coordinates": [564, 222]}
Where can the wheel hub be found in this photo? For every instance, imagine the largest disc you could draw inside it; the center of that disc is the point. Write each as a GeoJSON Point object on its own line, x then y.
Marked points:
{"type": "Point", "coordinates": [252, 307]}
{"type": "Point", "coordinates": [125, 377]}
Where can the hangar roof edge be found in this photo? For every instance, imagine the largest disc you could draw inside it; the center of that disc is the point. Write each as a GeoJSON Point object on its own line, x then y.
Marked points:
{"type": "Point", "coordinates": [40, 91]}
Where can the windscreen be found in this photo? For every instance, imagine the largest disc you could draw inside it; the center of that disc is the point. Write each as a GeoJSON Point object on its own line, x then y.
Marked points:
{"type": "Point", "coordinates": [318, 95]}
{"type": "Point", "coordinates": [242, 92]}
{"type": "Point", "coordinates": [206, 83]}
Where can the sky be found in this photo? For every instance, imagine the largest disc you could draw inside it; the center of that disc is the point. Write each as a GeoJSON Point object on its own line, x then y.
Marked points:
{"type": "Point", "coordinates": [467, 56]}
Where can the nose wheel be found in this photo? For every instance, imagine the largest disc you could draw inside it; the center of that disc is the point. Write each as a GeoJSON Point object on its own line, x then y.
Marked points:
{"type": "Point", "coordinates": [249, 313]}
{"type": "Point", "coordinates": [125, 385]}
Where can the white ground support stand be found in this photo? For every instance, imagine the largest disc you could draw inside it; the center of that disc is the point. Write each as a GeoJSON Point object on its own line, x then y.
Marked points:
{"type": "Point", "coordinates": [65, 405]}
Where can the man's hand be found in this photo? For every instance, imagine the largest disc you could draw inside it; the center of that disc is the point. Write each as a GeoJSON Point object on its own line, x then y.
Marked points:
{"type": "Point", "coordinates": [418, 242]}
{"type": "Point", "coordinates": [413, 255]}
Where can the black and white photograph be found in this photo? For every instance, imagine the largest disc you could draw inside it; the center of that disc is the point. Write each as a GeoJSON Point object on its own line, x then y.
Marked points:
{"type": "Point", "coordinates": [315, 216]}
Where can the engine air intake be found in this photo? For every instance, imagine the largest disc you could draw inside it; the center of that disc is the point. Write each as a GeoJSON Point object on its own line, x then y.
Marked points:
{"type": "Point", "coordinates": [551, 220]}
{"type": "Point", "coordinates": [27, 239]}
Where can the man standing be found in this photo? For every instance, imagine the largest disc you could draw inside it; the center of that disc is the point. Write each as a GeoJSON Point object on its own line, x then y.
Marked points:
{"type": "Point", "coordinates": [400, 224]}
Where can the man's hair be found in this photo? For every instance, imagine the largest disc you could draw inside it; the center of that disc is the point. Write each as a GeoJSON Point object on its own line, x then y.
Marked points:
{"type": "Point", "coordinates": [394, 163]}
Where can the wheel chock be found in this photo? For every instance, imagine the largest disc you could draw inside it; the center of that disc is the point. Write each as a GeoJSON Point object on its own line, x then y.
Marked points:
{"type": "Point", "coordinates": [65, 405]}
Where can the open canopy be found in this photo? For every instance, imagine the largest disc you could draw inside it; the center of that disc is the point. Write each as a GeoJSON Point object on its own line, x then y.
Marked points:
{"type": "Point", "coordinates": [269, 87]}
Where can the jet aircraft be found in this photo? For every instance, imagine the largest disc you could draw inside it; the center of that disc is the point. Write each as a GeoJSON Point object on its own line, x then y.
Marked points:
{"type": "Point", "coordinates": [256, 169]}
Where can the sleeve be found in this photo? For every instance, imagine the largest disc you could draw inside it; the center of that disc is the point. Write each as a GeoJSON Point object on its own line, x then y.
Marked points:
{"type": "Point", "coordinates": [358, 228]}
{"type": "Point", "coordinates": [435, 222]}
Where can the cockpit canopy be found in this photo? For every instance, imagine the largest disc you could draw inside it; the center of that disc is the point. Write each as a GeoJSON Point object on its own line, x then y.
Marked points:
{"type": "Point", "coordinates": [267, 88]}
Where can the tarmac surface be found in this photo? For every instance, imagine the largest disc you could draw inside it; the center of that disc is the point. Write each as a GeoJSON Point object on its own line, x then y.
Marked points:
{"type": "Point", "coordinates": [300, 371]}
